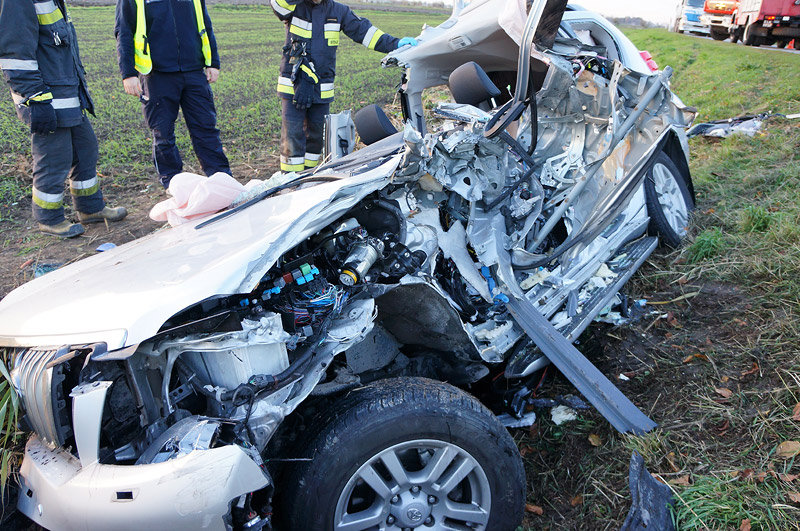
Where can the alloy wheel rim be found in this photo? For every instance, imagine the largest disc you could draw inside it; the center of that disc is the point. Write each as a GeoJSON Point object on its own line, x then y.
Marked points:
{"type": "Point", "coordinates": [424, 483]}
{"type": "Point", "coordinates": [670, 199]}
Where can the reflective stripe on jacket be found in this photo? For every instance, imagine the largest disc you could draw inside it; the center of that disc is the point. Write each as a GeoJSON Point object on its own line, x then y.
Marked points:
{"type": "Point", "coordinates": [40, 59]}
{"type": "Point", "coordinates": [319, 25]}
{"type": "Point", "coordinates": [164, 35]}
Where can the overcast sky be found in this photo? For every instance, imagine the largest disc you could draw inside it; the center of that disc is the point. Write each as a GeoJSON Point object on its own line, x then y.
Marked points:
{"type": "Point", "coordinates": [655, 10]}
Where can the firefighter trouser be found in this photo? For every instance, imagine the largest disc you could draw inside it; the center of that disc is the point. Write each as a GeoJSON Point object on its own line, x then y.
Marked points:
{"type": "Point", "coordinates": [164, 94]}
{"type": "Point", "coordinates": [301, 135]}
{"type": "Point", "coordinates": [69, 152]}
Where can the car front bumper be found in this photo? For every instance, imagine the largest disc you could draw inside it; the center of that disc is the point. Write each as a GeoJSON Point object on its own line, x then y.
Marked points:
{"type": "Point", "coordinates": [694, 27]}
{"type": "Point", "coordinates": [189, 492]}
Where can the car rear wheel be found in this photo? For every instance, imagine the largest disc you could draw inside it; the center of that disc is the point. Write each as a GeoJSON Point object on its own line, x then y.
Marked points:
{"type": "Point", "coordinates": [669, 202]}
{"type": "Point", "coordinates": [796, 44]}
{"type": "Point", "coordinates": [407, 453]}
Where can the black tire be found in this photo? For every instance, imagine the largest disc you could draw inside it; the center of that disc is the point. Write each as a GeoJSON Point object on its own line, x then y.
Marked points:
{"type": "Point", "coordinates": [796, 44]}
{"type": "Point", "coordinates": [781, 44]}
{"type": "Point", "coordinates": [659, 223]}
{"type": "Point", "coordinates": [718, 35]}
{"type": "Point", "coordinates": [748, 38]}
{"type": "Point", "coordinates": [387, 413]}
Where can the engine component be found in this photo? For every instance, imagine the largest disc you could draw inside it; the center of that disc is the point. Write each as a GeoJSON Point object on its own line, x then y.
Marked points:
{"type": "Point", "coordinates": [187, 435]}
{"type": "Point", "coordinates": [362, 257]}
{"type": "Point", "coordinates": [403, 261]}
{"type": "Point", "coordinates": [304, 298]}
{"type": "Point", "coordinates": [230, 360]}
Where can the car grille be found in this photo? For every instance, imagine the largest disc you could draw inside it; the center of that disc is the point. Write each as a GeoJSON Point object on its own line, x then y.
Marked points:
{"type": "Point", "coordinates": [40, 385]}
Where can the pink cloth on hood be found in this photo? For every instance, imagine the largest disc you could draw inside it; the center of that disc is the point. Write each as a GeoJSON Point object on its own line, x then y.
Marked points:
{"type": "Point", "coordinates": [195, 196]}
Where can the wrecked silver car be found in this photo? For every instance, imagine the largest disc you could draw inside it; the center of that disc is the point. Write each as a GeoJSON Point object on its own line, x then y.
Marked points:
{"type": "Point", "coordinates": [283, 362]}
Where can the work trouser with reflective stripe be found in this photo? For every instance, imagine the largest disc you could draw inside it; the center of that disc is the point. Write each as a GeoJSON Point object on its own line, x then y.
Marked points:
{"type": "Point", "coordinates": [68, 152]}
{"type": "Point", "coordinates": [301, 135]}
{"type": "Point", "coordinates": [167, 92]}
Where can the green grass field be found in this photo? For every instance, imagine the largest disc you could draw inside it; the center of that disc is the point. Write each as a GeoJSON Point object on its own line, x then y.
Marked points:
{"type": "Point", "coordinates": [718, 366]}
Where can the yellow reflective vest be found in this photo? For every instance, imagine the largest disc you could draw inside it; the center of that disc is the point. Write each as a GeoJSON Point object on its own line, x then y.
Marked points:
{"type": "Point", "coordinates": [142, 60]}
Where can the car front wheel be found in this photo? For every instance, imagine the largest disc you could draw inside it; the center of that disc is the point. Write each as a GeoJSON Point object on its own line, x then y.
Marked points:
{"type": "Point", "coordinates": [669, 202]}
{"type": "Point", "coordinates": [407, 453]}
{"type": "Point", "coordinates": [718, 35]}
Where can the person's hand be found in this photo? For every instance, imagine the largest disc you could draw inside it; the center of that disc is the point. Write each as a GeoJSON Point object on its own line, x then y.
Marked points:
{"type": "Point", "coordinates": [303, 93]}
{"type": "Point", "coordinates": [411, 41]}
{"type": "Point", "coordinates": [212, 74]}
{"type": "Point", "coordinates": [132, 86]}
{"type": "Point", "coordinates": [43, 117]}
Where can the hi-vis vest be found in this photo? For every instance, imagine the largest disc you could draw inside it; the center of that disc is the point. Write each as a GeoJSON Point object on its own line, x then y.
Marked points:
{"type": "Point", "coordinates": [141, 47]}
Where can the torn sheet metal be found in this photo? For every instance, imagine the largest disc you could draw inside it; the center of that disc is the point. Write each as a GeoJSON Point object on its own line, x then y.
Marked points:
{"type": "Point", "coordinates": [461, 160]}
{"type": "Point", "coordinates": [462, 112]}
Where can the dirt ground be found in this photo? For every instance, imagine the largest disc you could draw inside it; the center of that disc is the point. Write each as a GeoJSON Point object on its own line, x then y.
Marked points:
{"type": "Point", "coordinates": [25, 250]}
{"type": "Point", "coordinates": [696, 363]}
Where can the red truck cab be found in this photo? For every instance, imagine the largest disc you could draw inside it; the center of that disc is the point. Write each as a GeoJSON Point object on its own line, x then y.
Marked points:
{"type": "Point", "coordinates": [758, 22]}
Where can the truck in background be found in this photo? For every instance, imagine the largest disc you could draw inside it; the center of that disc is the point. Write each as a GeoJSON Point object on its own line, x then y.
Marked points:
{"type": "Point", "coordinates": [718, 16]}
{"type": "Point", "coordinates": [687, 17]}
{"type": "Point", "coordinates": [758, 22]}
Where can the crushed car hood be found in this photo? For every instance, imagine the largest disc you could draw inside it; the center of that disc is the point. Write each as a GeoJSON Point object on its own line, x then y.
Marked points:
{"type": "Point", "coordinates": [123, 296]}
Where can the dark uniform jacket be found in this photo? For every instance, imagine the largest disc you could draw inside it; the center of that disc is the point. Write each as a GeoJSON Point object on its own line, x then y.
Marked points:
{"type": "Point", "coordinates": [318, 26]}
{"type": "Point", "coordinates": [172, 36]}
{"type": "Point", "coordinates": [39, 55]}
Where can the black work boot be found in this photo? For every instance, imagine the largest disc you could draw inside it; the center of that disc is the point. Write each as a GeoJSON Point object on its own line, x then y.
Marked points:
{"type": "Point", "coordinates": [65, 229]}
{"type": "Point", "coordinates": [107, 214]}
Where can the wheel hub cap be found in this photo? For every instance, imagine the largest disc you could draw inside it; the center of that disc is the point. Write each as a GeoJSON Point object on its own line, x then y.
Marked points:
{"type": "Point", "coordinates": [671, 199]}
{"type": "Point", "coordinates": [412, 511]}
{"type": "Point", "coordinates": [416, 484]}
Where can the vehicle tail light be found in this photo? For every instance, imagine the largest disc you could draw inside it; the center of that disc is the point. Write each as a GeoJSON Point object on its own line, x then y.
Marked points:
{"type": "Point", "coordinates": [651, 64]}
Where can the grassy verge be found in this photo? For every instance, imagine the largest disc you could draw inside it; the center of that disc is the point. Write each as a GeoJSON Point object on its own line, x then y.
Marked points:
{"type": "Point", "coordinates": [749, 220]}
{"type": "Point", "coordinates": [10, 437]}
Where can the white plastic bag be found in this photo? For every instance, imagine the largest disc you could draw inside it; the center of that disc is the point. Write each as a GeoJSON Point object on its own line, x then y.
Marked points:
{"type": "Point", "coordinates": [195, 196]}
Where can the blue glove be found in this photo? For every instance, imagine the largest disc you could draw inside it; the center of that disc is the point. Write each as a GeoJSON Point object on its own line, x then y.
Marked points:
{"type": "Point", "coordinates": [407, 40]}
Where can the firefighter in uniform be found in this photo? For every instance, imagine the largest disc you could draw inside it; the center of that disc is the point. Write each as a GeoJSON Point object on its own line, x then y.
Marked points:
{"type": "Point", "coordinates": [168, 58]}
{"type": "Point", "coordinates": [308, 68]}
{"type": "Point", "coordinates": [40, 61]}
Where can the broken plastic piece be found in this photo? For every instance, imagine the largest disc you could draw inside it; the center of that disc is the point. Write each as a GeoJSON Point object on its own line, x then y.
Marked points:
{"type": "Point", "coordinates": [748, 125]}
{"type": "Point", "coordinates": [43, 269]}
{"type": "Point", "coordinates": [651, 500]}
{"type": "Point", "coordinates": [105, 247]}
